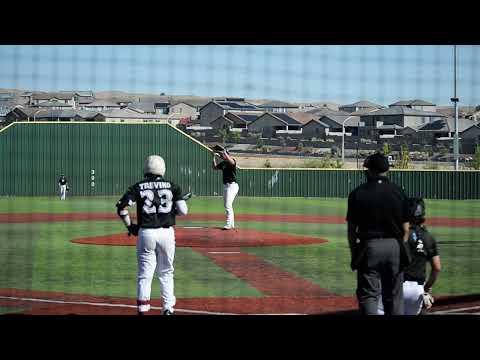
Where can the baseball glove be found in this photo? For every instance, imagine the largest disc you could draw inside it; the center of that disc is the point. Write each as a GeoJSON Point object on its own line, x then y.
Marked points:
{"type": "Point", "coordinates": [218, 148]}
{"type": "Point", "coordinates": [428, 300]}
{"type": "Point", "coordinates": [133, 229]}
{"type": "Point", "coordinates": [68, 189]}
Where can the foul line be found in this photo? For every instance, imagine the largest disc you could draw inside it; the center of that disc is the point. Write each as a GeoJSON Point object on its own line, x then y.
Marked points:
{"type": "Point", "coordinates": [452, 311]}
{"type": "Point", "coordinates": [126, 306]}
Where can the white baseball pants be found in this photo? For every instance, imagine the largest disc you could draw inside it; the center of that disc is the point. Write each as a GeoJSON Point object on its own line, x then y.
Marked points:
{"type": "Point", "coordinates": [63, 191]}
{"type": "Point", "coordinates": [155, 254]}
{"type": "Point", "coordinates": [230, 190]}
{"type": "Point", "coordinates": [412, 298]}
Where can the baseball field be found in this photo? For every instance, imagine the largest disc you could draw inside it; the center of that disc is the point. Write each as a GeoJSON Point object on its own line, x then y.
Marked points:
{"type": "Point", "coordinates": [286, 256]}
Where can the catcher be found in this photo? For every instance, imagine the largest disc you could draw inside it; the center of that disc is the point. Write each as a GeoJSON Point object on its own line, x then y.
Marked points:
{"type": "Point", "coordinates": [423, 248]}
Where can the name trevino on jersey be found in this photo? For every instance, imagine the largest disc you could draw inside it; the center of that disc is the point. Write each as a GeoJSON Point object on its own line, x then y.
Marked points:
{"type": "Point", "coordinates": [155, 185]}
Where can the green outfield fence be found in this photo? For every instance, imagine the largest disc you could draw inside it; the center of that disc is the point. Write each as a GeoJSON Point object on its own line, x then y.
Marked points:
{"type": "Point", "coordinates": [105, 158]}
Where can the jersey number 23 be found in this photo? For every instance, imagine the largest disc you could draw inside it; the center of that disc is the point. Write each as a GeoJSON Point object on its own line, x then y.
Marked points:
{"type": "Point", "coordinates": [165, 205]}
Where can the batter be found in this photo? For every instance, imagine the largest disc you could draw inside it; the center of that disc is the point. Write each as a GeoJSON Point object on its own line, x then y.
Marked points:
{"type": "Point", "coordinates": [230, 186]}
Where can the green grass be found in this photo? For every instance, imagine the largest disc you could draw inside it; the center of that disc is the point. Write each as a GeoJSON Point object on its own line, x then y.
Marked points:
{"type": "Point", "coordinates": [243, 205]}
{"type": "Point", "coordinates": [40, 256]}
{"type": "Point", "coordinates": [11, 310]}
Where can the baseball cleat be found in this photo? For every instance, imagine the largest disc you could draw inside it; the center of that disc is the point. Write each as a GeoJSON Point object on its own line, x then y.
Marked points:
{"type": "Point", "coordinates": [167, 312]}
{"type": "Point", "coordinates": [226, 227]}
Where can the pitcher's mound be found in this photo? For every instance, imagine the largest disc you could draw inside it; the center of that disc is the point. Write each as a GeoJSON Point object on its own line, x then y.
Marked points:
{"type": "Point", "coordinates": [211, 237]}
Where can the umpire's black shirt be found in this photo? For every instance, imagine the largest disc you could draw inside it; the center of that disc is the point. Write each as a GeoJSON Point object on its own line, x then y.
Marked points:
{"type": "Point", "coordinates": [379, 208]}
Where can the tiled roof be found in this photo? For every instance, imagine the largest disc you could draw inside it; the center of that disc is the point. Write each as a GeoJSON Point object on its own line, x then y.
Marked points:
{"type": "Point", "coordinates": [364, 104]}
{"type": "Point", "coordinates": [412, 103]}
{"type": "Point", "coordinates": [398, 110]}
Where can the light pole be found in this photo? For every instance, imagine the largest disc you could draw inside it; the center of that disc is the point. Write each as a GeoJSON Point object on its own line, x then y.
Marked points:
{"type": "Point", "coordinates": [343, 139]}
{"type": "Point", "coordinates": [454, 99]}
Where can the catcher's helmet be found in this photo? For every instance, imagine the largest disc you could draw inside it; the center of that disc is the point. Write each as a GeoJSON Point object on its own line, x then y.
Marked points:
{"type": "Point", "coordinates": [155, 165]}
{"type": "Point", "coordinates": [377, 162]}
{"type": "Point", "coordinates": [416, 208]}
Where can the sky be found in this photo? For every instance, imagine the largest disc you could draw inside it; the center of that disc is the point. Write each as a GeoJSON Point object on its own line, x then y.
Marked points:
{"type": "Point", "coordinates": [341, 73]}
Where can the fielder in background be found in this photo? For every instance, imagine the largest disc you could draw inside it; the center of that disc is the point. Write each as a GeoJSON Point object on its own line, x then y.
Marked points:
{"type": "Point", "coordinates": [158, 202]}
{"type": "Point", "coordinates": [63, 185]}
{"type": "Point", "coordinates": [230, 186]}
{"type": "Point", "coordinates": [377, 218]}
{"type": "Point", "coordinates": [423, 248]}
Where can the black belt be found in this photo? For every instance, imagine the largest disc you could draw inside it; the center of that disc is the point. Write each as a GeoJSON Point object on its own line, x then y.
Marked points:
{"type": "Point", "coordinates": [413, 280]}
{"type": "Point", "coordinates": [158, 227]}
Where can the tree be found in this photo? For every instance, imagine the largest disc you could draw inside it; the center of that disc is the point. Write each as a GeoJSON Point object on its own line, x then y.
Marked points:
{"type": "Point", "coordinates": [235, 135]}
{"type": "Point", "coordinates": [386, 149]}
{"type": "Point", "coordinates": [223, 134]}
{"type": "Point", "coordinates": [476, 158]}
{"type": "Point", "coordinates": [404, 161]}
{"type": "Point", "coordinates": [259, 142]}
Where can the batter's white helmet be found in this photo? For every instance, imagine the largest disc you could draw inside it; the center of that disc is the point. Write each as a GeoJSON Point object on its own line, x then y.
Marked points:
{"type": "Point", "coordinates": [154, 165]}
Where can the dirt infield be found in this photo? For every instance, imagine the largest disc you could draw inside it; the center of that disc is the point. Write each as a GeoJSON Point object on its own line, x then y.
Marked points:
{"type": "Point", "coordinates": [29, 302]}
{"type": "Point", "coordinates": [283, 292]}
{"type": "Point", "coordinates": [210, 238]}
{"type": "Point", "coordinates": [315, 219]}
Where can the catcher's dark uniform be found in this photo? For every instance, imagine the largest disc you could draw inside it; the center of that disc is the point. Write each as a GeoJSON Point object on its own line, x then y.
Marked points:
{"type": "Point", "coordinates": [378, 209]}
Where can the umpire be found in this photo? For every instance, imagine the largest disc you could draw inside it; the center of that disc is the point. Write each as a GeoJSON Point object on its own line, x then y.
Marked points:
{"type": "Point", "coordinates": [378, 226]}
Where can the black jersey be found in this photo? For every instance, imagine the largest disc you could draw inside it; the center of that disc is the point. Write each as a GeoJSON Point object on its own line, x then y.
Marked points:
{"type": "Point", "coordinates": [155, 198]}
{"type": "Point", "coordinates": [229, 171]}
{"type": "Point", "coordinates": [379, 208]}
{"type": "Point", "coordinates": [423, 248]}
{"type": "Point", "coordinates": [62, 181]}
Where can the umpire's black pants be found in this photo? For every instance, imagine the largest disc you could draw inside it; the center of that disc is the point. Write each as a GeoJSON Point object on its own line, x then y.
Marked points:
{"type": "Point", "coordinates": [379, 273]}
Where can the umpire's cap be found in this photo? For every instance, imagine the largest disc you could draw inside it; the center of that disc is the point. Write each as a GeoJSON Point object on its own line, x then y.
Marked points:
{"type": "Point", "coordinates": [377, 162]}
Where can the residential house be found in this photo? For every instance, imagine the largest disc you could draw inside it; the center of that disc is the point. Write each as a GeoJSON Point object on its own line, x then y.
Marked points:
{"type": "Point", "coordinates": [360, 106]}
{"type": "Point", "coordinates": [278, 106]}
{"type": "Point", "coordinates": [415, 105]}
{"type": "Point", "coordinates": [129, 115]}
{"type": "Point", "coordinates": [308, 106]}
{"type": "Point", "coordinates": [315, 128]}
{"type": "Point", "coordinates": [441, 130]}
{"type": "Point", "coordinates": [187, 106]}
{"type": "Point", "coordinates": [377, 122]}
{"type": "Point", "coordinates": [54, 104]}
{"type": "Point", "coordinates": [319, 112]}
{"type": "Point", "coordinates": [214, 109]}
{"type": "Point", "coordinates": [84, 97]}
{"type": "Point", "coordinates": [21, 113]}
{"type": "Point", "coordinates": [273, 124]}
{"type": "Point", "coordinates": [102, 105]}
{"type": "Point", "coordinates": [332, 125]}
{"type": "Point", "coordinates": [470, 139]}
{"type": "Point", "coordinates": [234, 121]}
{"type": "Point", "coordinates": [150, 107]}
{"type": "Point", "coordinates": [63, 97]}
